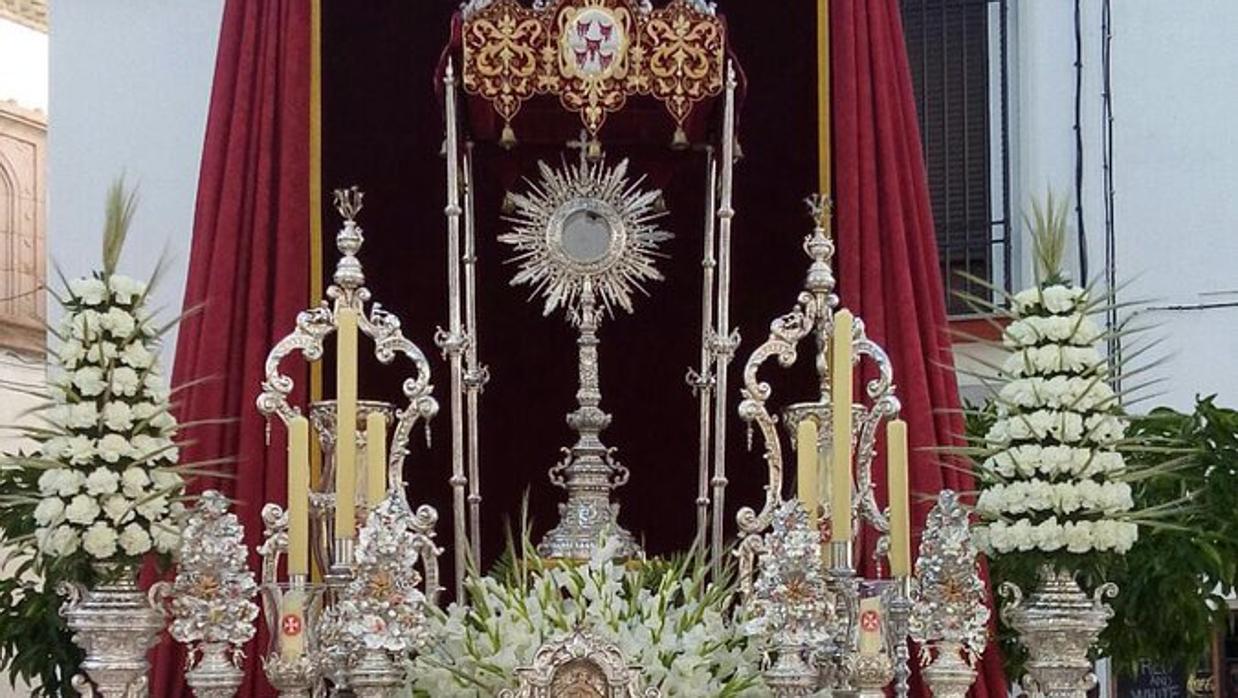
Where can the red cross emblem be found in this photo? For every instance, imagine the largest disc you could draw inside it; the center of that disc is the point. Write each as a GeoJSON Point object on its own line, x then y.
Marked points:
{"type": "Point", "coordinates": [870, 621]}
{"type": "Point", "coordinates": [291, 625]}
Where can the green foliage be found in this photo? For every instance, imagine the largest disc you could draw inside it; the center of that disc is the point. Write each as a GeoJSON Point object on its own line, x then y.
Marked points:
{"type": "Point", "coordinates": [35, 645]}
{"type": "Point", "coordinates": [1175, 579]}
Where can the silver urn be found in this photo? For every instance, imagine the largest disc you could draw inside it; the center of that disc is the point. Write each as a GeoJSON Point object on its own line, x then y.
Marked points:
{"type": "Point", "coordinates": [1058, 624]}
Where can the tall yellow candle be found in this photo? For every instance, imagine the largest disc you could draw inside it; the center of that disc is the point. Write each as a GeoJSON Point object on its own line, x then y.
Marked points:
{"type": "Point", "coordinates": [840, 480]}
{"type": "Point", "coordinates": [900, 502]}
{"type": "Point", "coordinates": [298, 496]}
{"type": "Point", "coordinates": [346, 425]}
{"type": "Point", "coordinates": [375, 458]}
{"type": "Point", "coordinates": [806, 467]}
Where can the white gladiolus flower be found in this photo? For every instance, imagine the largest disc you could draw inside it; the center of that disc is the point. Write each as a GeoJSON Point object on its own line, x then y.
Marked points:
{"type": "Point", "coordinates": [134, 540]}
{"type": "Point", "coordinates": [145, 410]}
{"type": "Point", "coordinates": [113, 447]}
{"type": "Point", "coordinates": [125, 381]}
{"type": "Point", "coordinates": [1026, 299]}
{"type": "Point", "coordinates": [134, 481]}
{"type": "Point", "coordinates": [102, 481]}
{"type": "Point", "coordinates": [100, 541]}
{"type": "Point", "coordinates": [49, 511]}
{"type": "Point", "coordinates": [89, 381]}
{"type": "Point", "coordinates": [163, 421]}
{"type": "Point", "coordinates": [89, 290]}
{"type": "Point", "coordinates": [125, 289]}
{"type": "Point", "coordinates": [118, 416]}
{"type": "Point", "coordinates": [82, 509]}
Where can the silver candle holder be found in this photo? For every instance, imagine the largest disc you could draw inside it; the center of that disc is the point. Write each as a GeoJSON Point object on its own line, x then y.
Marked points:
{"type": "Point", "coordinates": [835, 662]}
{"type": "Point", "coordinates": [321, 631]}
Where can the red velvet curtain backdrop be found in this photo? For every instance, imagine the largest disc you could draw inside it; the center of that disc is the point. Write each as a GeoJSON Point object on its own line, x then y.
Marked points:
{"type": "Point", "coordinates": [887, 265]}
{"type": "Point", "coordinates": [248, 270]}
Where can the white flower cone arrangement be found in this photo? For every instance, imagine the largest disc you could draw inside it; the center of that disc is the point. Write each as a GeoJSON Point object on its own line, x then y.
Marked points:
{"type": "Point", "coordinates": [1054, 496]}
{"type": "Point", "coordinates": [107, 473]}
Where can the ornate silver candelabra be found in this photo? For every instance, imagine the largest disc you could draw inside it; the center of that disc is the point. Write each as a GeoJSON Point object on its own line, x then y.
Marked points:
{"type": "Point", "coordinates": [585, 239]}
{"type": "Point", "coordinates": [325, 633]}
{"type": "Point", "coordinates": [950, 619]}
{"type": "Point", "coordinates": [211, 599]}
{"type": "Point", "coordinates": [836, 662]}
{"type": "Point", "coordinates": [333, 549]}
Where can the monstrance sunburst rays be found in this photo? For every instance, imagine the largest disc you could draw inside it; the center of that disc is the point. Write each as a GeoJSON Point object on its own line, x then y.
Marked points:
{"type": "Point", "coordinates": [585, 226]}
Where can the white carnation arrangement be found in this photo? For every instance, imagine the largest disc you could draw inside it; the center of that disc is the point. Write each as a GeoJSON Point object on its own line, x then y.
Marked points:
{"type": "Point", "coordinates": [683, 632]}
{"type": "Point", "coordinates": [1052, 469]}
{"type": "Point", "coordinates": [109, 484]}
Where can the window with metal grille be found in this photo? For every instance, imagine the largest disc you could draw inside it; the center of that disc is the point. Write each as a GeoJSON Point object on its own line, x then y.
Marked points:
{"type": "Point", "coordinates": [957, 52]}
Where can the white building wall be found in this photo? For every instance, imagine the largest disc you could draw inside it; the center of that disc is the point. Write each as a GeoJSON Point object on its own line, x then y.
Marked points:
{"type": "Point", "coordinates": [23, 65]}
{"type": "Point", "coordinates": [130, 84]}
{"type": "Point", "coordinates": [1174, 85]}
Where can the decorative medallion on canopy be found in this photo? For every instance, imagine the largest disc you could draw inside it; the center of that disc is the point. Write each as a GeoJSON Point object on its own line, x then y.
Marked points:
{"type": "Point", "coordinates": [594, 55]}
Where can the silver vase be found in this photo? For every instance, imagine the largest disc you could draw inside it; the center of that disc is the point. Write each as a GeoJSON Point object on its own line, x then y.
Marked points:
{"type": "Point", "coordinates": [216, 675]}
{"type": "Point", "coordinates": [376, 676]}
{"type": "Point", "coordinates": [1058, 625]}
{"type": "Point", "coordinates": [115, 623]}
{"type": "Point", "coordinates": [947, 675]}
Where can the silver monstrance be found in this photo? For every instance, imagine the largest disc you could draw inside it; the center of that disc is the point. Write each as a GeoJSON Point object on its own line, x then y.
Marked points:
{"type": "Point", "coordinates": [585, 240]}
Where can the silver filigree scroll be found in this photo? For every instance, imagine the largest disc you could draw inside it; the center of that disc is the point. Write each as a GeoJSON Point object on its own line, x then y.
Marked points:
{"type": "Point", "coordinates": [585, 239]}
{"type": "Point", "coordinates": [211, 599]}
{"type": "Point", "coordinates": [383, 328]}
{"type": "Point", "coordinates": [813, 316]}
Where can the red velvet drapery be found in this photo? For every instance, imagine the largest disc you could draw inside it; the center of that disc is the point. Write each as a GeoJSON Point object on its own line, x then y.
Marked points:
{"type": "Point", "coordinates": [888, 268]}
{"type": "Point", "coordinates": [248, 268]}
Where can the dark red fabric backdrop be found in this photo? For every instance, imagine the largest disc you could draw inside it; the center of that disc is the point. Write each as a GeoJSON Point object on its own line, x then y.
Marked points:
{"type": "Point", "coordinates": [888, 268]}
{"type": "Point", "coordinates": [247, 269]}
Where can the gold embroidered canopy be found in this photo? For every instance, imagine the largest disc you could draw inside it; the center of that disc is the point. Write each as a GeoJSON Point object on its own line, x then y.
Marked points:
{"type": "Point", "coordinates": [592, 54]}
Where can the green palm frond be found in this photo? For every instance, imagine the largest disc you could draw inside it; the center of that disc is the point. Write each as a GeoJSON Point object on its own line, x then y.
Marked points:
{"type": "Point", "coordinates": [122, 203]}
{"type": "Point", "coordinates": [1047, 224]}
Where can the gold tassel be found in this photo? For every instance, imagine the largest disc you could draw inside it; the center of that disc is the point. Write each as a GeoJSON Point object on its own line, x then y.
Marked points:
{"type": "Point", "coordinates": [593, 151]}
{"type": "Point", "coordinates": [680, 139]}
{"type": "Point", "coordinates": [507, 140]}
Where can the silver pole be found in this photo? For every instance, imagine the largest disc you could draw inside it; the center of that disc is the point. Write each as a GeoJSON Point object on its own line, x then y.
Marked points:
{"type": "Point", "coordinates": [453, 341]}
{"type": "Point", "coordinates": [702, 380]}
{"type": "Point", "coordinates": [724, 340]}
{"type": "Point", "coordinates": [475, 375]}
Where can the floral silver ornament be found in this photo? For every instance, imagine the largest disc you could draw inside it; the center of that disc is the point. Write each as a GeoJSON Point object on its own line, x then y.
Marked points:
{"type": "Point", "coordinates": [378, 621]}
{"type": "Point", "coordinates": [211, 599]}
{"type": "Point", "coordinates": [950, 619]}
{"type": "Point", "coordinates": [791, 604]}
